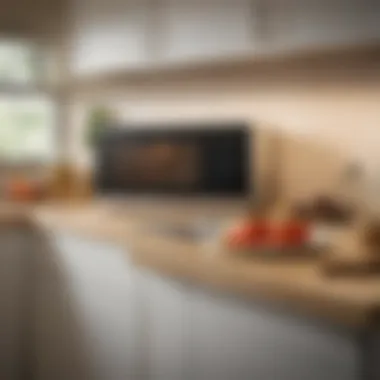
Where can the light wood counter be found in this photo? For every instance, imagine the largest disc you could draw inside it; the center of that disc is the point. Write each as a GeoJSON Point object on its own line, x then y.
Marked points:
{"type": "Point", "coordinates": [298, 286]}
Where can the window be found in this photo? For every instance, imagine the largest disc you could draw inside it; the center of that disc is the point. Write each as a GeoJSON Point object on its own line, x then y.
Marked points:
{"type": "Point", "coordinates": [27, 114]}
{"type": "Point", "coordinates": [16, 63]}
{"type": "Point", "coordinates": [26, 128]}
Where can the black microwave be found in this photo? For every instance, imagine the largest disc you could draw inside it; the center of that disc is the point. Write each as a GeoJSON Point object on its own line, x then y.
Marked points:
{"type": "Point", "coordinates": [199, 160]}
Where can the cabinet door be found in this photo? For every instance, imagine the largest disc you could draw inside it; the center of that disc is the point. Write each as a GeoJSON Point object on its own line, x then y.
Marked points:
{"type": "Point", "coordinates": [99, 287]}
{"type": "Point", "coordinates": [109, 35]}
{"type": "Point", "coordinates": [293, 24]}
{"type": "Point", "coordinates": [166, 324]}
{"type": "Point", "coordinates": [206, 28]}
{"type": "Point", "coordinates": [234, 341]}
{"type": "Point", "coordinates": [58, 348]}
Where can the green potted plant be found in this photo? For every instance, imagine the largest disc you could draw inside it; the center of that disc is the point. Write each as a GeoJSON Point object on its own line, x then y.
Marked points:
{"type": "Point", "coordinates": [98, 120]}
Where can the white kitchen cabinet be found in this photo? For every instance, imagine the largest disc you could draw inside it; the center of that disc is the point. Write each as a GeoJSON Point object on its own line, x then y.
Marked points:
{"type": "Point", "coordinates": [122, 35]}
{"type": "Point", "coordinates": [194, 335]}
{"type": "Point", "coordinates": [166, 324]}
{"type": "Point", "coordinates": [109, 35]}
{"type": "Point", "coordinates": [58, 347]}
{"type": "Point", "coordinates": [232, 340]}
{"type": "Point", "coordinates": [93, 316]}
{"type": "Point", "coordinates": [202, 29]}
{"type": "Point", "coordinates": [98, 316]}
{"type": "Point", "coordinates": [310, 24]}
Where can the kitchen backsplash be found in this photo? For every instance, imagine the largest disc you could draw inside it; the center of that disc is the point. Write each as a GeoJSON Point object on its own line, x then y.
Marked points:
{"type": "Point", "coordinates": [324, 115]}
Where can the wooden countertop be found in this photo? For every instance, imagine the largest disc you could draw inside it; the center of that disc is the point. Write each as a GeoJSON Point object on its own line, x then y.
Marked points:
{"type": "Point", "coordinates": [297, 285]}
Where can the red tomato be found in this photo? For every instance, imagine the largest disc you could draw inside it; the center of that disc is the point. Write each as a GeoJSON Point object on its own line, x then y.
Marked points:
{"type": "Point", "coordinates": [247, 235]}
{"type": "Point", "coordinates": [291, 233]}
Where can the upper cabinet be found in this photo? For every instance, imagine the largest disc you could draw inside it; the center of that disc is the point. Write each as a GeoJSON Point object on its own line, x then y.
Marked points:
{"type": "Point", "coordinates": [300, 24]}
{"type": "Point", "coordinates": [109, 35]}
{"type": "Point", "coordinates": [112, 35]}
{"type": "Point", "coordinates": [206, 28]}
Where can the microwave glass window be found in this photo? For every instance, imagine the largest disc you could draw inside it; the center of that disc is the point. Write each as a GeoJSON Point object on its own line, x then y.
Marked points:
{"type": "Point", "coordinates": [162, 164]}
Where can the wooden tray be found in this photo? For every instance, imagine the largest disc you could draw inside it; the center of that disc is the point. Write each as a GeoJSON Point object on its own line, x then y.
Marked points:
{"type": "Point", "coordinates": [338, 267]}
{"type": "Point", "coordinates": [276, 254]}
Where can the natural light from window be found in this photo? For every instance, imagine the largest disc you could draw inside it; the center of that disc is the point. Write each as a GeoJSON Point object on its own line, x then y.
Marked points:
{"type": "Point", "coordinates": [27, 114]}
{"type": "Point", "coordinates": [26, 128]}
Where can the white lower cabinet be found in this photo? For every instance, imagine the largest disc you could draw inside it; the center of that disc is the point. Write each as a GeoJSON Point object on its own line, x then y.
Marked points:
{"type": "Point", "coordinates": [125, 322]}
{"type": "Point", "coordinates": [88, 319]}
{"type": "Point", "coordinates": [194, 335]}
{"type": "Point", "coordinates": [230, 340]}
{"type": "Point", "coordinates": [166, 322]}
{"type": "Point", "coordinates": [58, 345]}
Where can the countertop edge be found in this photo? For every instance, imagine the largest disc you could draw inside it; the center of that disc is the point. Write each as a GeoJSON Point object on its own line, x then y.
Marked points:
{"type": "Point", "coordinates": [223, 279]}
